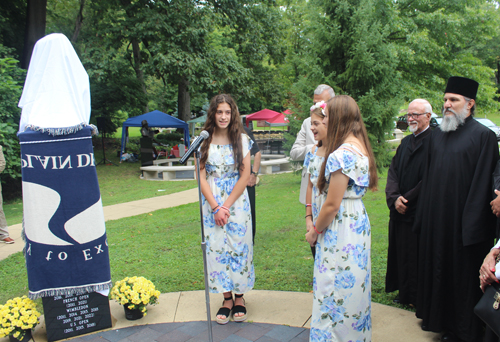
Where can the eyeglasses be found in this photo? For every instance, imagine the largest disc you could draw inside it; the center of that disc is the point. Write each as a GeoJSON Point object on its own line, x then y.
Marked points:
{"type": "Point", "coordinates": [414, 115]}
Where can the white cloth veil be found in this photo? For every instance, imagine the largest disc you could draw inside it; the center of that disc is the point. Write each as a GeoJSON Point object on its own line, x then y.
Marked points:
{"type": "Point", "coordinates": [56, 93]}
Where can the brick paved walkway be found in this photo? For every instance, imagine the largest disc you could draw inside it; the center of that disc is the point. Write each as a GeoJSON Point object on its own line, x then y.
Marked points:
{"type": "Point", "coordinates": [198, 332]}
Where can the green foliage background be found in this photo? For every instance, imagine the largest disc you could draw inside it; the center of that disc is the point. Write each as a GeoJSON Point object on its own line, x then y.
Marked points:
{"type": "Point", "coordinates": [266, 53]}
{"type": "Point", "coordinates": [11, 80]}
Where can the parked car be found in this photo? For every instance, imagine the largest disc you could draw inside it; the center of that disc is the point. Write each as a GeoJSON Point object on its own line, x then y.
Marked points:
{"type": "Point", "coordinates": [435, 122]}
{"type": "Point", "coordinates": [402, 124]}
{"type": "Point", "coordinates": [488, 123]}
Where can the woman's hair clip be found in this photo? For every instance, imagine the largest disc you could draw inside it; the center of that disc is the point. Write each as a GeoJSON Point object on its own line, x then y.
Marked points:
{"type": "Point", "coordinates": [320, 104]}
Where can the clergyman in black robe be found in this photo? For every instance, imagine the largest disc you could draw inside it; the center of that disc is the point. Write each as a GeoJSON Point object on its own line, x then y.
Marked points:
{"type": "Point", "coordinates": [454, 218]}
{"type": "Point", "coordinates": [402, 191]}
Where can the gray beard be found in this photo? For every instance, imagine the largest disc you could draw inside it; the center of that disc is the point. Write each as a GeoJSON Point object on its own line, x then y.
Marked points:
{"type": "Point", "coordinates": [412, 128]}
{"type": "Point", "coordinates": [450, 123]}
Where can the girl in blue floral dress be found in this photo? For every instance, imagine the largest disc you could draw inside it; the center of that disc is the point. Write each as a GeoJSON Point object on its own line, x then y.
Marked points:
{"type": "Point", "coordinates": [224, 174]}
{"type": "Point", "coordinates": [341, 232]}
{"type": "Point", "coordinates": [312, 163]}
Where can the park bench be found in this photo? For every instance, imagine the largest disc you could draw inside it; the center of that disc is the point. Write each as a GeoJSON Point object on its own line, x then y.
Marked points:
{"type": "Point", "coordinates": [159, 172]}
{"type": "Point", "coordinates": [171, 161]}
{"type": "Point", "coordinates": [267, 167]}
{"type": "Point", "coordinates": [272, 156]}
{"type": "Point", "coordinates": [398, 136]}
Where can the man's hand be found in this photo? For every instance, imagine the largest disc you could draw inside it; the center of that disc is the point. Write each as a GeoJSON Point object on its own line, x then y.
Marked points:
{"type": "Point", "coordinates": [495, 204]}
{"type": "Point", "coordinates": [252, 180]}
{"type": "Point", "coordinates": [400, 205]}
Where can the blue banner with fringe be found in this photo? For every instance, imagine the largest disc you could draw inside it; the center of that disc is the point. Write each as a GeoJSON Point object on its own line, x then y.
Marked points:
{"type": "Point", "coordinates": [63, 222]}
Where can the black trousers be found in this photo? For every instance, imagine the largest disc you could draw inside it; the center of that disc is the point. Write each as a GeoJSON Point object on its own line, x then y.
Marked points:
{"type": "Point", "coordinates": [251, 196]}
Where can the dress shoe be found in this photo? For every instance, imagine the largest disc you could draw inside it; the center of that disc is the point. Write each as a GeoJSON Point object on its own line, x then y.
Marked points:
{"type": "Point", "coordinates": [425, 327]}
{"type": "Point", "coordinates": [8, 240]}
{"type": "Point", "coordinates": [396, 300]}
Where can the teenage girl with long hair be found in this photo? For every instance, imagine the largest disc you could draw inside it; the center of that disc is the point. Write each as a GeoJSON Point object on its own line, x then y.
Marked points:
{"type": "Point", "coordinates": [224, 174]}
{"type": "Point", "coordinates": [312, 163]}
{"type": "Point", "coordinates": [341, 232]}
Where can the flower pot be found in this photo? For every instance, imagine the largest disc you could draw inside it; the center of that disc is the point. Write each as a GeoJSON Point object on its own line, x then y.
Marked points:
{"type": "Point", "coordinates": [26, 338]}
{"type": "Point", "coordinates": [132, 314]}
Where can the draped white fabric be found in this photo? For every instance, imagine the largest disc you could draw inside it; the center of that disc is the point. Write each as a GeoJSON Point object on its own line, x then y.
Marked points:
{"type": "Point", "coordinates": [56, 93]}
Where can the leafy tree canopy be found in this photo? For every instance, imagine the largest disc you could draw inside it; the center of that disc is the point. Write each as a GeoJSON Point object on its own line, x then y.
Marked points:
{"type": "Point", "coordinates": [11, 80]}
{"type": "Point", "coordinates": [174, 55]}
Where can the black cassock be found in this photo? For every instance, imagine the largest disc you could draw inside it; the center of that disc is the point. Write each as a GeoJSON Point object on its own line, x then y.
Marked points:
{"type": "Point", "coordinates": [404, 179]}
{"type": "Point", "coordinates": [456, 228]}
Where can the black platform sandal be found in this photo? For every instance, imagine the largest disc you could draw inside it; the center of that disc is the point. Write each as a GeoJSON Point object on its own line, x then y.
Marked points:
{"type": "Point", "coordinates": [223, 311]}
{"type": "Point", "coordinates": [239, 309]}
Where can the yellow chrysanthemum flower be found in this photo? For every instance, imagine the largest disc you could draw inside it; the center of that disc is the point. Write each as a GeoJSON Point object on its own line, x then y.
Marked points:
{"type": "Point", "coordinates": [135, 292]}
{"type": "Point", "coordinates": [16, 315]}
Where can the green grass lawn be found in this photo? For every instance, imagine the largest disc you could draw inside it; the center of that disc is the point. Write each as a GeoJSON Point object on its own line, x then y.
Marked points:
{"type": "Point", "coordinates": [164, 246]}
{"type": "Point", "coordinates": [132, 132]}
{"type": "Point", "coordinates": [493, 116]}
{"type": "Point", "coordinates": [118, 184]}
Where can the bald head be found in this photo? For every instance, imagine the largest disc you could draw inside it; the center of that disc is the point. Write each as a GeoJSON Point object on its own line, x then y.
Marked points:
{"type": "Point", "coordinates": [425, 103]}
{"type": "Point", "coordinates": [419, 115]}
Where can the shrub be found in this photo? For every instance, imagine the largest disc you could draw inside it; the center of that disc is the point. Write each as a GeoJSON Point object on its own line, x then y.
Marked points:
{"type": "Point", "coordinates": [11, 80]}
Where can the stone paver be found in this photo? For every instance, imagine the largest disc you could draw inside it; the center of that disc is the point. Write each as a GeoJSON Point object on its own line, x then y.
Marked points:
{"type": "Point", "coordinates": [198, 331]}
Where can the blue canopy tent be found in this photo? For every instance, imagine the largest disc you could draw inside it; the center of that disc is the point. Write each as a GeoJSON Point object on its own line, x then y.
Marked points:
{"type": "Point", "coordinates": [192, 123]}
{"type": "Point", "coordinates": [154, 119]}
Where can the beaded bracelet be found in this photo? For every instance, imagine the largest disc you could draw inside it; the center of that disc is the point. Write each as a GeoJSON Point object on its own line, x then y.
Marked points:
{"type": "Point", "coordinates": [307, 216]}
{"type": "Point", "coordinates": [314, 226]}
{"type": "Point", "coordinates": [215, 207]}
{"type": "Point", "coordinates": [223, 207]}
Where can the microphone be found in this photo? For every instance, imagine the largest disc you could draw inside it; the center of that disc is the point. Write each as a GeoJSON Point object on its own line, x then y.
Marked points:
{"type": "Point", "coordinates": [194, 146]}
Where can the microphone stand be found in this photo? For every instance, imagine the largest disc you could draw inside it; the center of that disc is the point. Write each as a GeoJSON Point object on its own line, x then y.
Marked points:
{"type": "Point", "coordinates": [203, 247]}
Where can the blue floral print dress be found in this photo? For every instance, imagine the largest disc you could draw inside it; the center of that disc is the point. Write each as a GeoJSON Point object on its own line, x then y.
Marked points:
{"type": "Point", "coordinates": [342, 267]}
{"type": "Point", "coordinates": [229, 247]}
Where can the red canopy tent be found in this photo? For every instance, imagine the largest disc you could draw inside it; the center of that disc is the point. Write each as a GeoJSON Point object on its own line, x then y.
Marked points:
{"type": "Point", "coordinates": [264, 115]}
{"type": "Point", "coordinates": [278, 120]}
{"type": "Point", "coordinates": [272, 119]}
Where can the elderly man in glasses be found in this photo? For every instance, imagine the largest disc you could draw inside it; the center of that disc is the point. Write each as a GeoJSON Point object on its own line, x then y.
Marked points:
{"type": "Point", "coordinates": [402, 190]}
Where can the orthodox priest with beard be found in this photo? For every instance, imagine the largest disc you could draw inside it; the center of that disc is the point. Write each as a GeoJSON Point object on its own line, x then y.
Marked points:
{"type": "Point", "coordinates": [454, 218]}
{"type": "Point", "coordinates": [402, 192]}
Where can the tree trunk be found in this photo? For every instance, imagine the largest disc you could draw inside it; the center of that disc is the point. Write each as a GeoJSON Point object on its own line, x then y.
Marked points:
{"type": "Point", "coordinates": [136, 51]}
{"type": "Point", "coordinates": [184, 100]}
{"type": "Point", "coordinates": [137, 67]}
{"type": "Point", "coordinates": [36, 14]}
{"type": "Point", "coordinates": [78, 23]}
